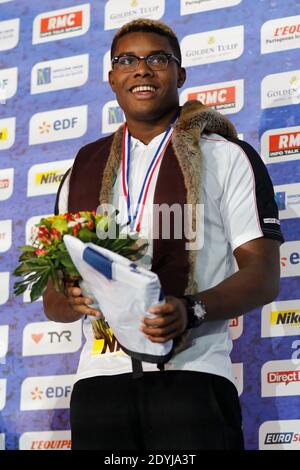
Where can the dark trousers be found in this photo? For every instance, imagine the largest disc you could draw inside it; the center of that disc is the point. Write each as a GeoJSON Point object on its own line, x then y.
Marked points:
{"type": "Point", "coordinates": [171, 410]}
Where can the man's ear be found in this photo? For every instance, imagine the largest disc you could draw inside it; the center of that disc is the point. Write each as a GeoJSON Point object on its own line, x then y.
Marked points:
{"type": "Point", "coordinates": [181, 77]}
{"type": "Point", "coordinates": [111, 80]}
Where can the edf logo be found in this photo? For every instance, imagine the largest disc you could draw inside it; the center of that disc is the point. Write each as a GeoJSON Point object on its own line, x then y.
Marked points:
{"type": "Point", "coordinates": [3, 83]}
{"type": "Point", "coordinates": [58, 391]}
{"type": "Point", "coordinates": [294, 258]}
{"type": "Point", "coordinates": [67, 123]}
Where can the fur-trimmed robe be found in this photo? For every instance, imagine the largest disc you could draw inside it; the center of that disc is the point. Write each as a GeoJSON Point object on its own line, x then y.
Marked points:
{"type": "Point", "coordinates": [97, 164]}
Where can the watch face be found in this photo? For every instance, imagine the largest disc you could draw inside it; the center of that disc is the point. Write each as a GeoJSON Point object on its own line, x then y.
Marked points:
{"type": "Point", "coordinates": [199, 311]}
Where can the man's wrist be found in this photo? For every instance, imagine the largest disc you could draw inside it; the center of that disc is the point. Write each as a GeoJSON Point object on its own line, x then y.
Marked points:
{"type": "Point", "coordinates": [196, 311]}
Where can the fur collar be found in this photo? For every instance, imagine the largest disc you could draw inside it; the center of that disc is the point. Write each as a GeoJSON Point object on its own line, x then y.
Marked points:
{"type": "Point", "coordinates": [195, 118]}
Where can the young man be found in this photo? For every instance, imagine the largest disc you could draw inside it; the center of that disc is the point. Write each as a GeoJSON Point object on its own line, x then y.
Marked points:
{"type": "Point", "coordinates": [193, 403]}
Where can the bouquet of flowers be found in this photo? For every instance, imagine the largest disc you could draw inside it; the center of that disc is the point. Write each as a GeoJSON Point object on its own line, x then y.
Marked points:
{"type": "Point", "coordinates": [47, 257]}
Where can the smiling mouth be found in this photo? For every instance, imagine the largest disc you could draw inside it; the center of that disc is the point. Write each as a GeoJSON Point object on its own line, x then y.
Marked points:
{"type": "Point", "coordinates": [143, 89]}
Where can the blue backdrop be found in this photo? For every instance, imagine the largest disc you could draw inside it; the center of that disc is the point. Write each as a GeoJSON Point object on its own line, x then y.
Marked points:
{"type": "Point", "coordinates": [52, 61]}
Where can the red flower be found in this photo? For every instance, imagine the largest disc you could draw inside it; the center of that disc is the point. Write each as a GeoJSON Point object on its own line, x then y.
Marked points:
{"type": "Point", "coordinates": [40, 251]}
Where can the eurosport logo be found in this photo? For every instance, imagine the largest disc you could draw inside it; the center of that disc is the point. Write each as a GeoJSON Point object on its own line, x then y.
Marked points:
{"type": "Point", "coordinates": [238, 372]}
{"type": "Point", "coordinates": [49, 337]}
{"type": "Point", "coordinates": [112, 117]}
{"type": "Point", "coordinates": [7, 133]}
{"type": "Point", "coordinates": [225, 97]}
{"type": "Point", "coordinates": [4, 287]}
{"type": "Point", "coordinates": [2, 393]}
{"type": "Point", "coordinates": [3, 340]}
{"type": "Point", "coordinates": [45, 440]}
{"type": "Point", "coordinates": [6, 183]}
{"type": "Point", "coordinates": [280, 34]}
{"type": "Point", "coordinates": [281, 318]}
{"type": "Point", "coordinates": [59, 124]}
{"type": "Point", "coordinates": [287, 197]}
{"type": "Point", "coordinates": [280, 378]}
{"type": "Point", "coordinates": [236, 327]}
{"type": "Point", "coordinates": [61, 24]}
{"type": "Point", "coordinates": [290, 259]}
{"type": "Point", "coordinates": [118, 13]}
{"type": "Point", "coordinates": [9, 34]}
{"type": "Point", "coordinates": [8, 83]}
{"type": "Point", "coordinates": [46, 393]}
{"type": "Point", "coordinates": [212, 46]}
{"type": "Point", "coordinates": [280, 89]}
{"type": "Point", "coordinates": [281, 145]}
{"type": "Point", "coordinates": [280, 435]}
{"type": "Point", "coordinates": [45, 178]}
{"type": "Point", "coordinates": [59, 74]}
{"type": "Point", "coordinates": [188, 7]}
{"type": "Point", "coordinates": [5, 235]}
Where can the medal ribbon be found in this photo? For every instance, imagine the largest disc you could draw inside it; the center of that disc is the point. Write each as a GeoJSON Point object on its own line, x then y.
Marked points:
{"type": "Point", "coordinates": [136, 218]}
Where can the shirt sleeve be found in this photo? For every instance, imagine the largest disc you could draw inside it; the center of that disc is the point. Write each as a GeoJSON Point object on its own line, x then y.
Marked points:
{"type": "Point", "coordinates": [62, 196]}
{"type": "Point", "coordinates": [248, 206]}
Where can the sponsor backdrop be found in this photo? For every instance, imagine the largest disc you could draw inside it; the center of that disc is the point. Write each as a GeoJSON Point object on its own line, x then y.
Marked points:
{"type": "Point", "coordinates": [242, 60]}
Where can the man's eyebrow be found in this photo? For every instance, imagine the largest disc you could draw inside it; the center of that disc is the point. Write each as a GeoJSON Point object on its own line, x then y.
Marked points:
{"type": "Point", "coordinates": [150, 53]}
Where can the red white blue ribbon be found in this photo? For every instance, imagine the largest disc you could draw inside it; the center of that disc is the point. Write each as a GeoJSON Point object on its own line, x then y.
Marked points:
{"type": "Point", "coordinates": [135, 217]}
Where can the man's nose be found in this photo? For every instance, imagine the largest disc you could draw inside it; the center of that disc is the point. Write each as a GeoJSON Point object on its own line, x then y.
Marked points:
{"type": "Point", "coordinates": [143, 68]}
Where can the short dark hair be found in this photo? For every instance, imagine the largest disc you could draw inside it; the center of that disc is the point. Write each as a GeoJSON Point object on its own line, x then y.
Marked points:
{"type": "Point", "coordinates": [145, 25]}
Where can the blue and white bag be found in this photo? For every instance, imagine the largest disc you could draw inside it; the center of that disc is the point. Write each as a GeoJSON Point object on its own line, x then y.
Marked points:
{"type": "Point", "coordinates": [124, 292]}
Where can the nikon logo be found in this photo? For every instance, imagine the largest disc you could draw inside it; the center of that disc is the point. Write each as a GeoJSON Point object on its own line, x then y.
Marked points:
{"type": "Point", "coordinates": [286, 317]}
{"type": "Point", "coordinates": [53, 177]}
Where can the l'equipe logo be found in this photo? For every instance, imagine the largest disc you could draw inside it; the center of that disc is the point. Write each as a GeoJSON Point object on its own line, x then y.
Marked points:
{"type": "Point", "coordinates": [45, 440]}
{"type": "Point", "coordinates": [61, 24]}
{"type": "Point", "coordinates": [59, 124]}
{"type": "Point", "coordinates": [280, 34]}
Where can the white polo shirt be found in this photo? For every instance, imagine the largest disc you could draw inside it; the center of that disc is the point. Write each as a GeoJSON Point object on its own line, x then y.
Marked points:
{"type": "Point", "coordinates": [234, 213]}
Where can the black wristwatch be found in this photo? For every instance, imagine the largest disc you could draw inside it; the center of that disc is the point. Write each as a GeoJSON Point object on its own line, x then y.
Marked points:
{"type": "Point", "coordinates": [196, 311]}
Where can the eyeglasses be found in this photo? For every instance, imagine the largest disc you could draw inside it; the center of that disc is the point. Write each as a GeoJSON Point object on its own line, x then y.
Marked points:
{"type": "Point", "coordinates": [129, 63]}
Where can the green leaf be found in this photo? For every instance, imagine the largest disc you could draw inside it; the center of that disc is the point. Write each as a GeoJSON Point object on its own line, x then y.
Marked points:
{"type": "Point", "coordinates": [27, 248]}
{"type": "Point", "coordinates": [39, 287]}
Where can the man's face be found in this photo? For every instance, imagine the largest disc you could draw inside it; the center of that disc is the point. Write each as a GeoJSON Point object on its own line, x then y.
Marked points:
{"type": "Point", "coordinates": [163, 96]}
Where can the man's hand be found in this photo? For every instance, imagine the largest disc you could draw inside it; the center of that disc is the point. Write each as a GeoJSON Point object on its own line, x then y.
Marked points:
{"type": "Point", "coordinates": [80, 304]}
{"type": "Point", "coordinates": [170, 322]}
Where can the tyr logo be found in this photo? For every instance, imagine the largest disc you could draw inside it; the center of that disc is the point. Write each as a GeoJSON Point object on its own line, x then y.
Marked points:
{"type": "Point", "coordinates": [58, 337]}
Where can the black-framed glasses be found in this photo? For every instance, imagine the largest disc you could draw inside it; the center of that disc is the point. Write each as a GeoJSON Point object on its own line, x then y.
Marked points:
{"type": "Point", "coordinates": [130, 62]}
